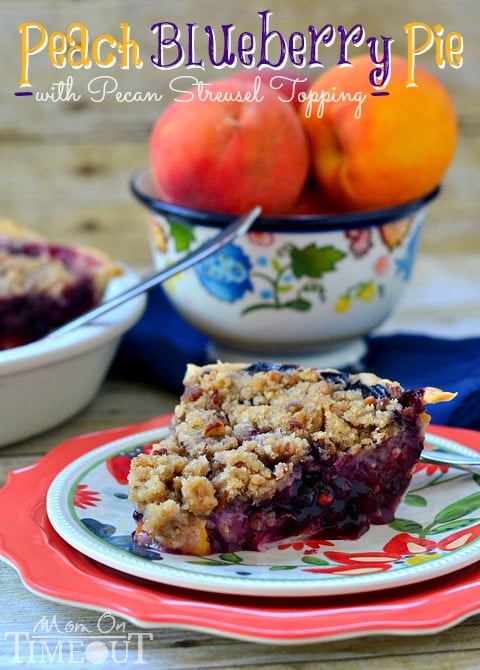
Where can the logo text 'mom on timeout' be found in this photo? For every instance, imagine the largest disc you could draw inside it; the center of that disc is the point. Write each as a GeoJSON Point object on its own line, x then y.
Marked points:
{"type": "Point", "coordinates": [74, 643]}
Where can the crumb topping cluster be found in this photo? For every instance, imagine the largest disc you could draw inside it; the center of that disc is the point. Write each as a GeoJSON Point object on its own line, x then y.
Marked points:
{"type": "Point", "coordinates": [20, 274]}
{"type": "Point", "coordinates": [238, 432]}
{"type": "Point", "coordinates": [30, 265]}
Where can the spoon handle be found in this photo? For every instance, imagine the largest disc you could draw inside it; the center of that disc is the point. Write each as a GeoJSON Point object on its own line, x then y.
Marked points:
{"type": "Point", "coordinates": [458, 461]}
{"type": "Point", "coordinates": [238, 227]}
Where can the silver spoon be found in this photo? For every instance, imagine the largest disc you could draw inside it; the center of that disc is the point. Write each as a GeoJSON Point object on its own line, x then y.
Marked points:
{"type": "Point", "coordinates": [238, 227]}
{"type": "Point", "coordinates": [467, 463]}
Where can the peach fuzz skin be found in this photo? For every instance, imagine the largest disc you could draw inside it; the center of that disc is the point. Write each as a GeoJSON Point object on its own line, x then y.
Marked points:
{"type": "Point", "coordinates": [396, 151]}
{"type": "Point", "coordinates": [230, 156]}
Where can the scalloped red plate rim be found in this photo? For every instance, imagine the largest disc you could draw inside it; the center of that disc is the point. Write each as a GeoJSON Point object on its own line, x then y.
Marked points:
{"type": "Point", "coordinates": [65, 575]}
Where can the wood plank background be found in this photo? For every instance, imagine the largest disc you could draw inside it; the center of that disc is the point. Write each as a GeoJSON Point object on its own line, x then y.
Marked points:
{"type": "Point", "coordinates": [66, 165]}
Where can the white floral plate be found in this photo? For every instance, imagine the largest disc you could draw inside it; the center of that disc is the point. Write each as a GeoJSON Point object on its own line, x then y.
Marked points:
{"type": "Point", "coordinates": [436, 531]}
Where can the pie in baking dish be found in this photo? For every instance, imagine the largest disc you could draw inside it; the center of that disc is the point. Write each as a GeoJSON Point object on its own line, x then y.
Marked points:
{"type": "Point", "coordinates": [44, 285]}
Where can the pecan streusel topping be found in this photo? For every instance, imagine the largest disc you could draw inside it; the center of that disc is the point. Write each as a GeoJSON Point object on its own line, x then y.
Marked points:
{"type": "Point", "coordinates": [240, 432]}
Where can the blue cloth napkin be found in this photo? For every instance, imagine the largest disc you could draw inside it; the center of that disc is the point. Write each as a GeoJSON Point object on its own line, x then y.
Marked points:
{"type": "Point", "coordinates": [158, 348]}
{"type": "Point", "coordinates": [418, 360]}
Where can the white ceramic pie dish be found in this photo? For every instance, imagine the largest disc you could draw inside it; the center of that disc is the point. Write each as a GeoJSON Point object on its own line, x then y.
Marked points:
{"type": "Point", "coordinates": [46, 382]}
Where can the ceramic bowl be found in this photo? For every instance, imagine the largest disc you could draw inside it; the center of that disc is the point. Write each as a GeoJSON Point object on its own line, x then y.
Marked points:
{"type": "Point", "coordinates": [46, 382]}
{"type": "Point", "coordinates": [305, 288]}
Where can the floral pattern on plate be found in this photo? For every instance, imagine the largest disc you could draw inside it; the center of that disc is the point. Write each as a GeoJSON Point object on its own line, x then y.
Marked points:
{"type": "Point", "coordinates": [436, 531]}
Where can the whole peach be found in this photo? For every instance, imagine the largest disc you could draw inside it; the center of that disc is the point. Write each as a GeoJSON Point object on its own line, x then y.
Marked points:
{"type": "Point", "coordinates": [373, 151]}
{"type": "Point", "coordinates": [228, 148]}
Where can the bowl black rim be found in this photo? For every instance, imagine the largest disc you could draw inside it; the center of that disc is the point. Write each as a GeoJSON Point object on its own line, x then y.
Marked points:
{"type": "Point", "coordinates": [300, 223]}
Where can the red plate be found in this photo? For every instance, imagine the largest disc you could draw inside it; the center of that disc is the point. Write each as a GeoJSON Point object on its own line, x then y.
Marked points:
{"type": "Point", "coordinates": [63, 574]}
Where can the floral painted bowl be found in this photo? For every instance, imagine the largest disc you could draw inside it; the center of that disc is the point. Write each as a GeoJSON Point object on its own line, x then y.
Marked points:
{"type": "Point", "coordinates": [306, 287]}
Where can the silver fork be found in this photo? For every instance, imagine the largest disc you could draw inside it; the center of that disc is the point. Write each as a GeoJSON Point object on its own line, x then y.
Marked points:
{"type": "Point", "coordinates": [461, 462]}
{"type": "Point", "coordinates": [238, 227]}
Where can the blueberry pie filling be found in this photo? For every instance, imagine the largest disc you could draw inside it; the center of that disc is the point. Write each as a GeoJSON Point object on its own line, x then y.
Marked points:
{"type": "Point", "coordinates": [44, 285]}
{"type": "Point", "coordinates": [256, 454]}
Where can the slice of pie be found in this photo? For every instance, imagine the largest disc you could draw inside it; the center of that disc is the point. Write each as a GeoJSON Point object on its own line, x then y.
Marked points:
{"type": "Point", "coordinates": [45, 285]}
{"type": "Point", "coordinates": [259, 453]}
